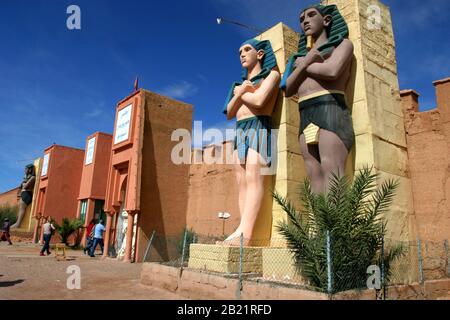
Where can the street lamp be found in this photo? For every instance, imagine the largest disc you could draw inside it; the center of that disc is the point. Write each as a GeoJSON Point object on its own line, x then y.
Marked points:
{"type": "Point", "coordinates": [224, 216]}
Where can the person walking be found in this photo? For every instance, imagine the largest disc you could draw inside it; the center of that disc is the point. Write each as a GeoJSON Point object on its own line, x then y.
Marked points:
{"type": "Point", "coordinates": [5, 231]}
{"type": "Point", "coordinates": [99, 229]}
{"type": "Point", "coordinates": [48, 229]}
{"type": "Point", "coordinates": [89, 236]}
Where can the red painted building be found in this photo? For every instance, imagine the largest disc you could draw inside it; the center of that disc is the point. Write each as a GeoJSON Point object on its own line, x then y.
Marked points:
{"type": "Point", "coordinates": [145, 188]}
{"type": "Point", "coordinates": [59, 186]}
{"type": "Point", "coordinates": [91, 198]}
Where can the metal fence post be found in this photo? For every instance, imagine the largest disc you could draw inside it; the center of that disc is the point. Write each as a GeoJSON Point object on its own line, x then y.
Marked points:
{"type": "Point", "coordinates": [447, 256]}
{"type": "Point", "coordinates": [184, 248]}
{"type": "Point", "coordinates": [241, 261]}
{"type": "Point", "coordinates": [382, 269]}
{"type": "Point", "coordinates": [329, 272]}
{"type": "Point", "coordinates": [147, 251]}
{"type": "Point", "coordinates": [419, 253]}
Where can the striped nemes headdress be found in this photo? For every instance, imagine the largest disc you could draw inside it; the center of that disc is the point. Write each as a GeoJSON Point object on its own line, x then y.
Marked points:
{"type": "Point", "coordinates": [269, 62]}
{"type": "Point", "coordinates": [337, 32]}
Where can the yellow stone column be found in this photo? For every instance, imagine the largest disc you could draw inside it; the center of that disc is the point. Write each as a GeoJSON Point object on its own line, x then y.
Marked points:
{"type": "Point", "coordinates": [374, 98]}
{"type": "Point", "coordinates": [376, 106]}
{"type": "Point", "coordinates": [290, 166]}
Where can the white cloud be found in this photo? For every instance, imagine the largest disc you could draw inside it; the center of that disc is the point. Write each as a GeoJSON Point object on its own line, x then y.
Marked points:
{"type": "Point", "coordinates": [179, 90]}
{"type": "Point", "coordinates": [93, 113]}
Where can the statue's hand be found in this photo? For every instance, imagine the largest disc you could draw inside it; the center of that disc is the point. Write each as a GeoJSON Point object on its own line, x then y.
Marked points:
{"type": "Point", "coordinates": [299, 61]}
{"type": "Point", "coordinates": [328, 54]}
{"type": "Point", "coordinates": [313, 56]}
{"type": "Point", "coordinates": [246, 86]}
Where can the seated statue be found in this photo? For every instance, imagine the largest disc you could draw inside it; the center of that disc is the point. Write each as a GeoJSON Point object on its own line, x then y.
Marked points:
{"type": "Point", "coordinates": [25, 193]}
{"type": "Point", "coordinates": [319, 74]}
{"type": "Point", "coordinates": [252, 101]}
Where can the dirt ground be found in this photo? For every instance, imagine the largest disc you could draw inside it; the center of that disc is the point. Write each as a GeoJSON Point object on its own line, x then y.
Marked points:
{"type": "Point", "coordinates": [24, 275]}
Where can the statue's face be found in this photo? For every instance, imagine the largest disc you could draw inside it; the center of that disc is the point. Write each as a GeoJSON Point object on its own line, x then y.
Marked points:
{"type": "Point", "coordinates": [249, 56]}
{"type": "Point", "coordinates": [313, 23]}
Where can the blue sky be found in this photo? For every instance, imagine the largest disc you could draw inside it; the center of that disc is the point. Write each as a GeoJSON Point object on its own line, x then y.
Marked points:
{"type": "Point", "coordinates": [61, 86]}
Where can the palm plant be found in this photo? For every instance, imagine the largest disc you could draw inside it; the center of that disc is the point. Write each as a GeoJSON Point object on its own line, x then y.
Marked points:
{"type": "Point", "coordinates": [351, 213]}
{"type": "Point", "coordinates": [67, 228]}
{"type": "Point", "coordinates": [10, 212]}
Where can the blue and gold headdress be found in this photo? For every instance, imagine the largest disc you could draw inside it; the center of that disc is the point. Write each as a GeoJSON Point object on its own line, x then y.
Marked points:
{"type": "Point", "coordinates": [269, 62]}
{"type": "Point", "coordinates": [337, 32]}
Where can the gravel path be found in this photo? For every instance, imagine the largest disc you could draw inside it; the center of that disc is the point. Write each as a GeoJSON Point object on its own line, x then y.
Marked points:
{"type": "Point", "coordinates": [26, 275]}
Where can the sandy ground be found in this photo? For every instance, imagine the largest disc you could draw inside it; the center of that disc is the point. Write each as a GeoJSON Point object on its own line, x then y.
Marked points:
{"type": "Point", "coordinates": [26, 275]}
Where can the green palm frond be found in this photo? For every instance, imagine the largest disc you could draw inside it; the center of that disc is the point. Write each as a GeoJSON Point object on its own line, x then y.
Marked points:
{"type": "Point", "coordinates": [351, 212]}
{"type": "Point", "coordinates": [67, 228]}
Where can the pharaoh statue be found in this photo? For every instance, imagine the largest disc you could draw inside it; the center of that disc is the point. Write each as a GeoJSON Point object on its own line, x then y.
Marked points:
{"type": "Point", "coordinates": [251, 101]}
{"type": "Point", "coordinates": [318, 74]}
{"type": "Point", "coordinates": [25, 193]}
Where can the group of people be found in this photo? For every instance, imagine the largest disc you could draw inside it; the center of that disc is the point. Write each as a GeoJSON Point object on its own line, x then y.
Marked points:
{"type": "Point", "coordinates": [318, 74]}
{"type": "Point", "coordinates": [94, 237]}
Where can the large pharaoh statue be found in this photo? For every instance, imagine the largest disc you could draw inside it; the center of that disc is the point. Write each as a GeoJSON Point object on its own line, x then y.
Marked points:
{"type": "Point", "coordinates": [25, 193]}
{"type": "Point", "coordinates": [318, 74]}
{"type": "Point", "coordinates": [252, 101]}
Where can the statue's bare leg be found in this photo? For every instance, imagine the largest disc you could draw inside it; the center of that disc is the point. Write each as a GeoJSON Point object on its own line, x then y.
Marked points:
{"type": "Point", "coordinates": [22, 208]}
{"type": "Point", "coordinates": [255, 183]}
{"type": "Point", "coordinates": [313, 167]}
{"type": "Point", "coordinates": [242, 188]}
{"type": "Point", "coordinates": [242, 184]}
{"type": "Point", "coordinates": [255, 192]}
{"type": "Point", "coordinates": [242, 193]}
{"type": "Point", "coordinates": [333, 155]}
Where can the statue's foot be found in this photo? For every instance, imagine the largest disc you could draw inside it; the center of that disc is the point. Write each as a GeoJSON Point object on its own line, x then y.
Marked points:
{"type": "Point", "coordinates": [232, 236]}
{"type": "Point", "coordinates": [234, 241]}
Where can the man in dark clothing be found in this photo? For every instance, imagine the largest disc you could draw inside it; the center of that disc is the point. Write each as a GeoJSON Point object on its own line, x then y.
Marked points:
{"type": "Point", "coordinates": [5, 231]}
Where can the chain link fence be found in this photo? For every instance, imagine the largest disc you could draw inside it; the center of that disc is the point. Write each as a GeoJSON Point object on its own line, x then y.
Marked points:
{"type": "Point", "coordinates": [330, 268]}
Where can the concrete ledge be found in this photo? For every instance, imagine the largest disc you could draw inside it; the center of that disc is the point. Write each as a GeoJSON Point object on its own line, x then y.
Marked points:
{"type": "Point", "coordinates": [197, 284]}
{"type": "Point", "coordinates": [224, 259]}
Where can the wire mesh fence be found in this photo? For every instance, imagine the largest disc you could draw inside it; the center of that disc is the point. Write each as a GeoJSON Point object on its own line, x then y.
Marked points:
{"type": "Point", "coordinates": [330, 266]}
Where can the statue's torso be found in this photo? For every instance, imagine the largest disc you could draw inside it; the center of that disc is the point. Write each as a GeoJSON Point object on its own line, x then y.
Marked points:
{"type": "Point", "coordinates": [311, 85]}
{"type": "Point", "coordinates": [245, 112]}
